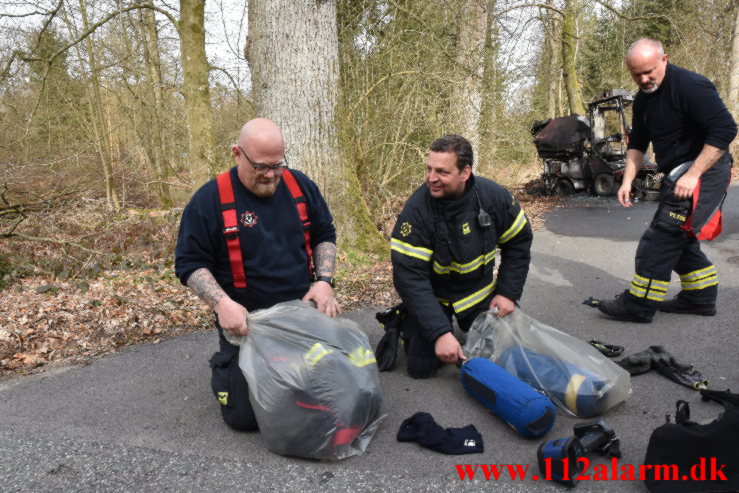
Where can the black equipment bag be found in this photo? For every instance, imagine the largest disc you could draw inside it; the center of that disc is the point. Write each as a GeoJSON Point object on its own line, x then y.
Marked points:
{"type": "Point", "coordinates": [687, 457]}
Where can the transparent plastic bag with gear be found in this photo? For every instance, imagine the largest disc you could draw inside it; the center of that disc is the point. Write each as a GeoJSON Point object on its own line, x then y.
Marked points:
{"type": "Point", "coordinates": [576, 376]}
{"type": "Point", "coordinates": [313, 382]}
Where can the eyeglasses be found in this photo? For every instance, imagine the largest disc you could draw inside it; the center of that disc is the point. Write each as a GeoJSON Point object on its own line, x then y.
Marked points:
{"type": "Point", "coordinates": [263, 169]}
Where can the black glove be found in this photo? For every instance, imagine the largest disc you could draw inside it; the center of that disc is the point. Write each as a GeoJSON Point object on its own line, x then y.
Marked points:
{"type": "Point", "coordinates": [387, 349]}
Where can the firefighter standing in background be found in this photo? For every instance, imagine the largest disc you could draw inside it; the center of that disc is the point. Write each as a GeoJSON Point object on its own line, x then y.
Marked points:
{"type": "Point", "coordinates": [682, 115]}
{"type": "Point", "coordinates": [443, 254]}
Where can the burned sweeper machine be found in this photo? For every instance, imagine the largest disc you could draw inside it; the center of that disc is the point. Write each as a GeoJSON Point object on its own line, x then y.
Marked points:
{"type": "Point", "coordinates": [589, 152]}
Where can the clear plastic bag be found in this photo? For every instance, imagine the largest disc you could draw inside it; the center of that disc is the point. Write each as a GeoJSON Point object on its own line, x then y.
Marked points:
{"type": "Point", "coordinates": [575, 376]}
{"type": "Point", "coordinates": [313, 382]}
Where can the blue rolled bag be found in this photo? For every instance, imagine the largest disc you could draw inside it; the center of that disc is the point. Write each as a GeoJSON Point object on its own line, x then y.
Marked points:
{"type": "Point", "coordinates": [313, 382]}
{"type": "Point", "coordinates": [573, 374]}
{"type": "Point", "coordinates": [526, 410]}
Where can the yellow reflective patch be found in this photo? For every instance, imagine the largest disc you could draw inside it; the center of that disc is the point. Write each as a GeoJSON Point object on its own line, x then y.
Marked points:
{"type": "Point", "coordinates": [315, 353]}
{"type": "Point", "coordinates": [406, 228]}
{"type": "Point", "coordinates": [517, 226]}
{"type": "Point", "coordinates": [223, 398]}
{"type": "Point", "coordinates": [410, 250]}
{"type": "Point", "coordinates": [362, 357]}
{"type": "Point", "coordinates": [572, 390]}
{"type": "Point", "coordinates": [473, 299]}
{"type": "Point", "coordinates": [466, 228]}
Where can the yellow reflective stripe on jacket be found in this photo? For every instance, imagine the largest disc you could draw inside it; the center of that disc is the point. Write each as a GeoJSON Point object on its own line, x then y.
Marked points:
{"type": "Point", "coordinates": [410, 250]}
{"type": "Point", "coordinates": [699, 279]}
{"type": "Point", "coordinates": [473, 299]}
{"type": "Point", "coordinates": [517, 225]}
{"type": "Point", "coordinates": [362, 357]}
{"type": "Point", "coordinates": [464, 268]}
{"type": "Point", "coordinates": [651, 289]}
{"type": "Point", "coordinates": [315, 353]}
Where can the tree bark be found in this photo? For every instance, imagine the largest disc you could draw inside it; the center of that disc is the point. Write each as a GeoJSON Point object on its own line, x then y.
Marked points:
{"type": "Point", "coordinates": [465, 100]}
{"type": "Point", "coordinates": [293, 55]}
{"type": "Point", "coordinates": [98, 121]}
{"type": "Point", "coordinates": [196, 89]}
{"type": "Point", "coordinates": [490, 104]}
{"type": "Point", "coordinates": [154, 77]}
{"type": "Point", "coordinates": [569, 66]}
{"type": "Point", "coordinates": [733, 99]}
{"type": "Point", "coordinates": [554, 75]}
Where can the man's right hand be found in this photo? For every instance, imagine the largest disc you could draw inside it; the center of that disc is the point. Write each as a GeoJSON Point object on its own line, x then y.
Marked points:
{"type": "Point", "coordinates": [232, 316]}
{"type": "Point", "coordinates": [447, 348]}
{"type": "Point", "coordinates": [624, 194]}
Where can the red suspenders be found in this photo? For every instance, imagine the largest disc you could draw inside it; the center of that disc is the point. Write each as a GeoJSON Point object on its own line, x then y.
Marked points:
{"type": "Point", "coordinates": [302, 206]}
{"type": "Point", "coordinates": [231, 223]}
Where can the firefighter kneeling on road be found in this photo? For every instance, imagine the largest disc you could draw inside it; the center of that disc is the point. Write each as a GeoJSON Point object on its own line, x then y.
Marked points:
{"type": "Point", "coordinates": [443, 254]}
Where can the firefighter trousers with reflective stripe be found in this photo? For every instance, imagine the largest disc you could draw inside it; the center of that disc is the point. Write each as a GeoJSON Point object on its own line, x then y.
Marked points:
{"type": "Point", "coordinates": [230, 388]}
{"type": "Point", "coordinates": [420, 353]}
{"type": "Point", "coordinates": [666, 246]}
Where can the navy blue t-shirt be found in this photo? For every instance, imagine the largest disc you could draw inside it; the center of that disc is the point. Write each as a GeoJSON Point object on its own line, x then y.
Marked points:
{"type": "Point", "coordinates": [679, 118]}
{"type": "Point", "coordinates": [271, 235]}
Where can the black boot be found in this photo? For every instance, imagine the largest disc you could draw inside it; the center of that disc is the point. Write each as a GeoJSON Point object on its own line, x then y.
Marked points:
{"type": "Point", "coordinates": [681, 305]}
{"type": "Point", "coordinates": [616, 308]}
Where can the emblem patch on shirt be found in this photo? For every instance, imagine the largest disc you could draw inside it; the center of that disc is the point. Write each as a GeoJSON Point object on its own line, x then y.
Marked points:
{"type": "Point", "coordinates": [466, 228]}
{"type": "Point", "coordinates": [405, 229]}
{"type": "Point", "coordinates": [249, 219]}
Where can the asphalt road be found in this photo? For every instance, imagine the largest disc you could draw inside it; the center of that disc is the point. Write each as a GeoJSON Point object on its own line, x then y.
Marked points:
{"type": "Point", "coordinates": [144, 419]}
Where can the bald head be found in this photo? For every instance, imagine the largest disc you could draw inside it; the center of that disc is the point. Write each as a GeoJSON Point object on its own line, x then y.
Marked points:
{"type": "Point", "coordinates": [262, 135]}
{"type": "Point", "coordinates": [645, 47]}
{"type": "Point", "coordinates": [647, 63]}
{"type": "Point", "coordinates": [260, 144]}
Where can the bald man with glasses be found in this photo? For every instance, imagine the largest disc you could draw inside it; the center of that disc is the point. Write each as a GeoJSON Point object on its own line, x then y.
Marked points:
{"type": "Point", "coordinates": [255, 236]}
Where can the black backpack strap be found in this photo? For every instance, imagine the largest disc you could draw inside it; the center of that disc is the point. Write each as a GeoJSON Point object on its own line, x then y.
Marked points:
{"type": "Point", "coordinates": [682, 413]}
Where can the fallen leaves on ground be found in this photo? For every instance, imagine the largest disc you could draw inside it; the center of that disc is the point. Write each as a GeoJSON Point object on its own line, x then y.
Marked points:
{"type": "Point", "coordinates": [44, 322]}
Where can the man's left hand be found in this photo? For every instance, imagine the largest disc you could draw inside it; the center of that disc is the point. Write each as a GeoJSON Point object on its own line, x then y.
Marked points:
{"type": "Point", "coordinates": [503, 304]}
{"type": "Point", "coordinates": [685, 186]}
{"type": "Point", "coordinates": [323, 295]}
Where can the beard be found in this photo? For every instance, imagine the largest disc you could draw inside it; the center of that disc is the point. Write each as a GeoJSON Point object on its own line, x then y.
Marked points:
{"type": "Point", "coordinates": [650, 89]}
{"type": "Point", "coordinates": [265, 188]}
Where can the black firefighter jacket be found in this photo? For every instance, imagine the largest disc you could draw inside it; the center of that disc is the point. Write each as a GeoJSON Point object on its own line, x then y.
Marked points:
{"type": "Point", "coordinates": [442, 255]}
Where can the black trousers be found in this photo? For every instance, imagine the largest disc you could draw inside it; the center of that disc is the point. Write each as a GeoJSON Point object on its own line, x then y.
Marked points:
{"type": "Point", "coordinates": [230, 387]}
{"type": "Point", "coordinates": [420, 352]}
{"type": "Point", "coordinates": [666, 245]}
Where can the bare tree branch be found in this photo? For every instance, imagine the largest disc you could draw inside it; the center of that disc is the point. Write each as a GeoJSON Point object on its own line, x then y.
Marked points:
{"type": "Point", "coordinates": [49, 240]}
{"type": "Point", "coordinates": [638, 18]}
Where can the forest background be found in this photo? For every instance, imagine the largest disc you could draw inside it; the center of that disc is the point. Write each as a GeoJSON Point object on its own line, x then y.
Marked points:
{"type": "Point", "coordinates": [113, 112]}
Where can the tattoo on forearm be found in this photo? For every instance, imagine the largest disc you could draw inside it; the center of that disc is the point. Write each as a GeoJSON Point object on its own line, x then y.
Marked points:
{"type": "Point", "coordinates": [324, 259]}
{"type": "Point", "coordinates": [707, 158]}
{"type": "Point", "coordinates": [204, 285]}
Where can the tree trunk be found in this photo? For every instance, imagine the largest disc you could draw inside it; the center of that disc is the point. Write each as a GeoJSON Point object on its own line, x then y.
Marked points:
{"type": "Point", "coordinates": [733, 99]}
{"type": "Point", "coordinates": [293, 55]}
{"type": "Point", "coordinates": [98, 121]}
{"type": "Point", "coordinates": [154, 77]}
{"type": "Point", "coordinates": [490, 105]}
{"type": "Point", "coordinates": [569, 66]}
{"type": "Point", "coordinates": [554, 75]}
{"type": "Point", "coordinates": [466, 92]}
{"type": "Point", "coordinates": [196, 89]}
